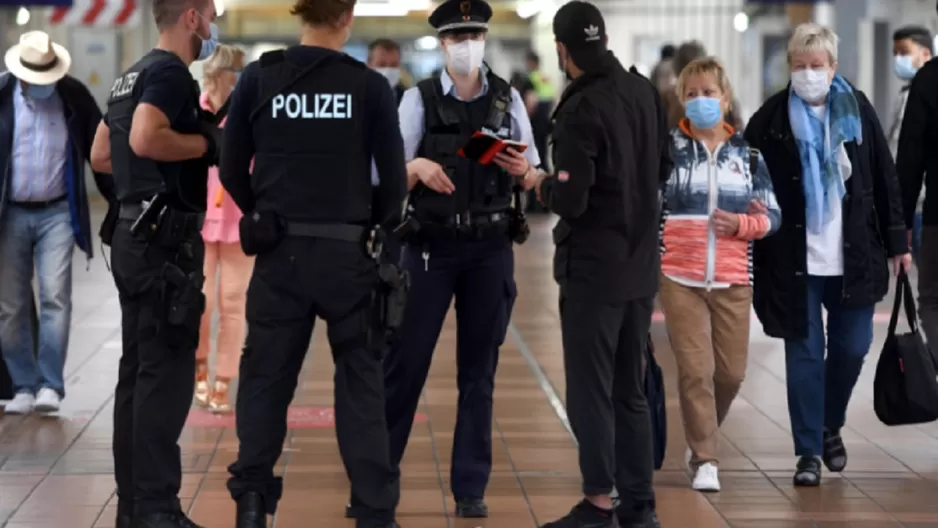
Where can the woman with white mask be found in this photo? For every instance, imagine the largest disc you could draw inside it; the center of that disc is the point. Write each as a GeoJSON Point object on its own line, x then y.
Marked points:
{"type": "Point", "coordinates": [463, 247]}
{"type": "Point", "coordinates": [836, 184]}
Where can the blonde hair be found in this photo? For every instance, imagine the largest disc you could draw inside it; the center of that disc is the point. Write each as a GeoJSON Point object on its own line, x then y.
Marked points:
{"type": "Point", "coordinates": [705, 66]}
{"type": "Point", "coordinates": [225, 57]}
{"type": "Point", "coordinates": [810, 37]}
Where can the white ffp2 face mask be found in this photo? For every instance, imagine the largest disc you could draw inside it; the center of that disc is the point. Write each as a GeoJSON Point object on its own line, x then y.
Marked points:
{"type": "Point", "coordinates": [811, 85]}
{"type": "Point", "coordinates": [466, 56]}
{"type": "Point", "coordinates": [393, 75]}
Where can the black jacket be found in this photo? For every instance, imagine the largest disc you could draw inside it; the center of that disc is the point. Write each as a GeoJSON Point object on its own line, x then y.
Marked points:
{"type": "Point", "coordinates": [610, 157]}
{"type": "Point", "coordinates": [872, 218]}
{"type": "Point", "coordinates": [917, 157]}
{"type": "Point", "coordinates": [82, 117]}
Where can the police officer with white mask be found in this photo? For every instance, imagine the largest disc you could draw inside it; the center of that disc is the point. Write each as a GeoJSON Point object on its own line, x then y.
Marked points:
{"type": "Point", "coordinates": [458, 242]}
{"type": "Point", "coordinates": [312, 119]}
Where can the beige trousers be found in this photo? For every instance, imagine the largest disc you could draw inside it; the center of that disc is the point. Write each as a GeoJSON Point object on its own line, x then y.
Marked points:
{"type": "Point", "coordinates": [233, 270]}
{"type": "Point", "coordinates": [709, 334]}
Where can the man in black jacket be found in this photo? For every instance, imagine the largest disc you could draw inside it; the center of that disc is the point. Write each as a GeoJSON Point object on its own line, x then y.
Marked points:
{"type": "Point", "coordinates": [610, 154]}
{"type": "Point", "coordinates": [47, 124]}
{"type": "Point", "coordinates": [917, 161]}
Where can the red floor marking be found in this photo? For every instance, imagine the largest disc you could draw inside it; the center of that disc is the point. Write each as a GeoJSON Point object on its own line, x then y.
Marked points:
{"type": "Point", "coordinates": [297, 418]}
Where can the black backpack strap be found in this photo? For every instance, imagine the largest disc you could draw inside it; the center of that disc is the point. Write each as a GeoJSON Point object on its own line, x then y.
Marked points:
{"type": "Point", "coordinates": [753, 161]}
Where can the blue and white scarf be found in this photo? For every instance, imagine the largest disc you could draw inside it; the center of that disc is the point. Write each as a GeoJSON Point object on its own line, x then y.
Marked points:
{"type": "Point", "coordinates": [818, 145]}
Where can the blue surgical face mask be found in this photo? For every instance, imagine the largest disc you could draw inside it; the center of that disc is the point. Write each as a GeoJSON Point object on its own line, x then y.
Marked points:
{"type": "Point", "coordinates": [903, 67]}
{"type": "Point", "coordinates": [208, 45]}
{"type": "Point", "coordinates": [40, 91]}
{"type": "Point", "coordinates": [704, 112]}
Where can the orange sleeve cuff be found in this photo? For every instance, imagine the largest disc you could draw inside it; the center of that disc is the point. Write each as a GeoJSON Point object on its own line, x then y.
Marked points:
{"type": "Point", "coordinates": [752, 227]}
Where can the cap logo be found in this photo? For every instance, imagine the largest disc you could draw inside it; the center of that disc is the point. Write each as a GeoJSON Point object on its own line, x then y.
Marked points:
{"type": "Point", "coordinates": [465, 7]}
{"type": "Point", "coordinates": [592, 33]}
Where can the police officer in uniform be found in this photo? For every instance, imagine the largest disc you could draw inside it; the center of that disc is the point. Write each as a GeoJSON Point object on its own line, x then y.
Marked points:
{"type": "Point", "coordinates": [160, 146]}
{"type": "Point", "coordinates": [312, 118]}
{"type": "Point", "coordinates": [459, 243]}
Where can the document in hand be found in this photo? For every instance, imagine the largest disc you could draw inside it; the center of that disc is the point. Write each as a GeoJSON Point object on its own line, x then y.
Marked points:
{"type": "Point", "coordinates": [482, 147]}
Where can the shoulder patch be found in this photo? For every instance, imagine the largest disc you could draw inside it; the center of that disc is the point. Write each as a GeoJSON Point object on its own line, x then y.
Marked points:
{"type": "Point", "coordinates": [272, 57]}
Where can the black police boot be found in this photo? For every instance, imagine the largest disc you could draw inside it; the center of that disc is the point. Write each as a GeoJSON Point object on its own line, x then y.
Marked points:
{"type": "Point", "coordinates": [353, 509]}
{"type": "Point", "coordinates": [163, 520]}
{"type": "Point", "coordinates": [363, 523]}
{"type": "Point", "coordinates": [471, 508]}
{"type": "Point", "coordinates": [123, 521]}
{"type": "Point", "coordinates": [640, 516]}
{"type": "Point", "coordinates": [251, 511]}
{"type": "Point", "coordinates": [585, 515]}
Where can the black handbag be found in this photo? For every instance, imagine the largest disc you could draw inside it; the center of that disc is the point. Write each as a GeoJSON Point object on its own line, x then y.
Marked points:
{"type": "Point", "coordinates": [657, 404]}
{"type": "Point", "coordinates": [905, 389]}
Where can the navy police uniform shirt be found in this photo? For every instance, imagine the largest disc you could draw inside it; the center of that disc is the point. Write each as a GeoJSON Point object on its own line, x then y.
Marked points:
{"type": "Point", "coordinates": [380, 114]}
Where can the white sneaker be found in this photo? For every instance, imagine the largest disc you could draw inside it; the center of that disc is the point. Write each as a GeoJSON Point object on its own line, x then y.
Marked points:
{"type": "Point", "coordinates": [707, 478]}
{"type": "Point", "coordinates": [48, 401]}
{"type": "Point", "coordinates": [22, 403]}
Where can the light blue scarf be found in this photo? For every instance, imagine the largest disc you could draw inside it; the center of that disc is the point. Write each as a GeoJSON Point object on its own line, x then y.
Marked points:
{"type": "Point", "coordinates": [821, 175]}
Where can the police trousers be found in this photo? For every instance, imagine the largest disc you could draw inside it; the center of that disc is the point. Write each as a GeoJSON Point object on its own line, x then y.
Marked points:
{"type": "Point", "coordinates": [293, 284]}
{"type": "Point", "coordinates": [156, 375]}
{"type": "Point", "coordinates": [479, 273]}
{"type": "Point", "coordinates": [603, 353]}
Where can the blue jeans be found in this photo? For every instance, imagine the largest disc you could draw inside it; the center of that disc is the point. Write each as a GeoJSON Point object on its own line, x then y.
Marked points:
{"type": "Point", "coordinates": [819, 389]}
{"type": "Point", "coordinates": [40, 239]}
{"type": "Point", "coordinates": [917, 238]}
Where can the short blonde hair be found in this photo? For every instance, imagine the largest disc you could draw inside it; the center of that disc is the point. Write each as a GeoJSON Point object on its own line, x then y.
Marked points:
{"type": "Point", "coordinates": [705, 66]}
{"type": "Point", "coordinates": [225, 57]}
{"type": "Point", "coordinates": [810, 37]}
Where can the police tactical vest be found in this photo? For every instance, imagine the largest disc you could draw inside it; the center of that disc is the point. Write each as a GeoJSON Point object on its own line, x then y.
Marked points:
{"type": "Point", "coordinates": [185, 183]}
{"type": "Point", "coordinates": [311, 161]}
{"type": "Point", "coordinates": [449, 123]}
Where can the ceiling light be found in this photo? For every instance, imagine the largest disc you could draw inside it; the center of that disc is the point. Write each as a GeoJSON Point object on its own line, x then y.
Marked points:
{"type": "Point", "coordinates": [380, 10]}
{"type": "Point", "coordinates": [426, 43]}
{"type": "Point", "coordinates": [22, 17]}
{"type": "Point", "coordinates": [219, 7]}
{"type": "Point", "coordinates": [741, 22]}
{"type": "Point", "coordinates": [528, 8]}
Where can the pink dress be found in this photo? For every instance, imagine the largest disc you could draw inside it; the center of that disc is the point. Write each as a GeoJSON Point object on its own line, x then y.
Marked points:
{"type": "Point", "coordinates": [221, 216]}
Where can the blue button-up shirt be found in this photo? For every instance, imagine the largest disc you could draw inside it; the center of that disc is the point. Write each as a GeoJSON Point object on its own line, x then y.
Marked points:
{"type": "Point", "coordinates": [411, 112]}
{"type": "Point", "coordinates": [40, 148]}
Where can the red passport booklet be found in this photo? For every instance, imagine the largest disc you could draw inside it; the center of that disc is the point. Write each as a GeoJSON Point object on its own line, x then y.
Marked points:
{"type": "Point", "coordinates": [482, 147]}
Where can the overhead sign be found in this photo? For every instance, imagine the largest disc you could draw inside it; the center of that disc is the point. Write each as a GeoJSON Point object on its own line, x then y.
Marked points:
{"type": "Point", "coordinates": [97, 13]}
{"type": "Point", "coordinates": [31, 3]}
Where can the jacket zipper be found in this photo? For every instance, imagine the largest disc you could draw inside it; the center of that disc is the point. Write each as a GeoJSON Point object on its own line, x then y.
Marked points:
{"type": "Point", "coordinates": [713, 198]}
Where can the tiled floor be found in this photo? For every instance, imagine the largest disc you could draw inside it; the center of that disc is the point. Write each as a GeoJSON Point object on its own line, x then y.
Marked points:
{"type": "Point", "coordinates": [55, 473]}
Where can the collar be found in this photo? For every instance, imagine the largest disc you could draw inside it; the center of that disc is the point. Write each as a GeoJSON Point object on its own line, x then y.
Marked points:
{"type": "Point", "coordinates": [449, 88]}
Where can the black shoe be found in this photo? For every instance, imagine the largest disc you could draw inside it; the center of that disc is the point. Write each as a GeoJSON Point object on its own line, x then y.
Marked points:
{"type": "Point", "coordinates": [361, 523]}
{"type": "Point", "coordinates": [807, 472]}
{"type": "Point", "coordinates": [585, 515]}
{"type": "Point", "coordinates": [251, 511]}
{"type": "Point", "coordinates": [471, 509]}
{"type": "Point", "coordinates": [644, 517]}
{"type": "Point", "coordinates": [163, 520]}
{"type": "Point", "coordinates": [124, 521]}
{"type": "Point", "coordinates": [835, 453]}
{"type": "Point", "coordinates": [353, 510]}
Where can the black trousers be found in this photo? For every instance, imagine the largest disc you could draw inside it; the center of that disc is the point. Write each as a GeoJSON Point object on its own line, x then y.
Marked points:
{"type": "Point", "coordinates": [156, 376]}
{"type": "Point", "coordinates": [603, 349]}
{"type": "Point", "coordinates": [300, 280]}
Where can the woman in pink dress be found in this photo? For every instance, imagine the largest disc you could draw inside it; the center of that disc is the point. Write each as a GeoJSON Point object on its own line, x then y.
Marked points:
{"type": "Point", "coordinates": [225, 262]}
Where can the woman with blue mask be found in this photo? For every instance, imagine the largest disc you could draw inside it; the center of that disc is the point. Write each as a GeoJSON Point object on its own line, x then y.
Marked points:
{"type": "Point", "coordinates": [838, 191]}
{"type": "Point", "coordinates": [708, 229]}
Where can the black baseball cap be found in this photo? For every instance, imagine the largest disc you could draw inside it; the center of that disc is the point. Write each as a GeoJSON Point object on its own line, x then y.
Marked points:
{"type": "Point", "coordinates": [580, 27]}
